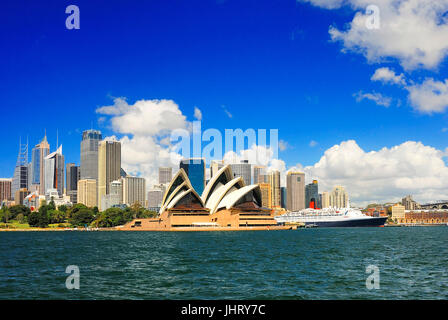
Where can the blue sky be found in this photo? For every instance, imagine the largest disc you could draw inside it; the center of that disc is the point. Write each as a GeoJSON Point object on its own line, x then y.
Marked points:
{"type": "Point", "coordinates": [272, 64]}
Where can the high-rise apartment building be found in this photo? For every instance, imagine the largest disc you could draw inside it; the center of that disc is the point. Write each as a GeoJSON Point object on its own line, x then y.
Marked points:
{"type": "Point", "coordinates": [54, 171]}
{"type": "Point", "coordinates": [312, 194]}
{"type": "Point", "coordinates": [155, 197]}
{"type": "Point", "coordinates": [73, 174]}
{"type": "Point", "coordinates": [5, 189]}
{"type": "Point", "coordinates": [215, 166]}
{"type": "Point", "coordinates": [195, 170]}
{"type": "Point", "coordinates": [266, 196]}
{"type": "Point", "coordinates": [87, 192]}
{"type": "Point", "coordinates": [338, 197]}
{"type": "Point", "coordinates": [134, 190]}
{"type": "Point", "coordinates": [39, 152]}
{"type": "Point", "coordinates": [165, 174]}
{"type": "Point", "coordinates": [89, 154]}
{"type": "Point", "coordinates": [295, 185]}
{"type": "Point", "coordinates": [243, 170]}
{"type": "Point", "coordinates": [274, 181]}
{"type": "Point", "coordinates": [109, 165]}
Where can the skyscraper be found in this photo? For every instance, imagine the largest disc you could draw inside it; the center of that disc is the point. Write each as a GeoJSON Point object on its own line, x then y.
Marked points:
{"type": "Point", "coordinates": [72, 177]}
{"type": "Point", "coordinates": [40, 151]}
{"type": "Point", "coordinates": [243, 170]}
{"type": "Point", "coordinates": [165, 174]}
{"type": "Point", "coordinates": [215, 165]}
{"type": "Point", "coordinates": [312, 194]}
{"type": "Point", "coordinates": [54, 171]}
{"type": "Point", "coordinates": [134, 190]}
{"type": "Point", "coordinates": [283, 196]}
{"type": "Point", "coordinates": [274, 181]}
{"type": "Point", "coordinates": [295, 186]}
{"type": "Point", "coordinates": [109, 165]}
{"type": "Point", "coordinates": [5, 189]}
{"type": "Point", "coordinates": [20, 177]}
{"type": "Point", "coordinates": [338, 197]}
{"type": "Point", "coordinates": [260, 174]}
{"type": "Point", "coordinates": [87, 192]}
{"type": "Point", "coordinates": [195, 170]}
{"type": "Point", "coordinates": [89, 154]}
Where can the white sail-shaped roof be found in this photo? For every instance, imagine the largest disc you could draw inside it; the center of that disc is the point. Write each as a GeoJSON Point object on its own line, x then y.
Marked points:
{"type": "Point", "coordinates": [223, 176]}
{"type": "Point", "coordinates": [183, 186]}
{"type": "Point", "coordinates": [231, 198]}
{"type": "Point", "coordinates": [178, 179]}
{"type": "Point", "coordinates": [221, 191]}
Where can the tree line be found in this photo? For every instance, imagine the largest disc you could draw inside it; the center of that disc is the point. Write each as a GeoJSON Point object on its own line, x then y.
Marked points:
{"type": "Point", "coordinates": [76, 216]}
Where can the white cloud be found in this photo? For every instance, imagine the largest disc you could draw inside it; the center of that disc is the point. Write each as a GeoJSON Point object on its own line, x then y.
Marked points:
{"type": "Point", "coordinates": [384, 175]}
{"type": "Point", "coordinates": [387, 75]}
{"type": "Point", "coordinates": [327, 4]}
{"type": "Point", "coordinates": [378, 98]}
{"type": "Point", "coordinates": [146, 126]}
{"type": "Point", "coordinates": [144, 117]}
{"type": "Point", "coordinates": [197, 114]}
{"type": "Point", "coordinates": [313, 143]}
{"type": "Point", "coordinates": [415, 32]}
{"type": "Point", "coordinates": [430, 96]}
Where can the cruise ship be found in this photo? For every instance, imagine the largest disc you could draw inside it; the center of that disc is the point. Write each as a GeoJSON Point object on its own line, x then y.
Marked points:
{"type": "Point", "coordinates": [330, 217]}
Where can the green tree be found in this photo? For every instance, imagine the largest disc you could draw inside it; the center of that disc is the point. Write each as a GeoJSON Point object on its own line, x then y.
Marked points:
{"type": "Point", "coordinates": [63, 208]}
{"type": "Point", "coordinates": [21, 218]}
{"type": "Point", "coordinates": [18, 209]}
{"type": "Point", "coordinates": [82, 217]}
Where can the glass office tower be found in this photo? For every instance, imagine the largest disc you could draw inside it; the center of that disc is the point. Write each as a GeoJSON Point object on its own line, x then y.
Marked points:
{"type": "Point", "coordinates": [195, 170]}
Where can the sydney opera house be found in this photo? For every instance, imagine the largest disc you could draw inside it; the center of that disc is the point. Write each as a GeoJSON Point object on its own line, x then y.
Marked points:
{"type": "Point", "coordinates": [225, 204]}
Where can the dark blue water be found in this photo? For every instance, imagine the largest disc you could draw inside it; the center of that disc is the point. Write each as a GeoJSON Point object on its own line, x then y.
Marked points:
{"type": "Point", "coordinates": [300, 264]}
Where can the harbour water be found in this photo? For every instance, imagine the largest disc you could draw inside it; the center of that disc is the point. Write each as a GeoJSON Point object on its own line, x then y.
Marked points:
{"type": "Point", "coordinates": [293, 264]}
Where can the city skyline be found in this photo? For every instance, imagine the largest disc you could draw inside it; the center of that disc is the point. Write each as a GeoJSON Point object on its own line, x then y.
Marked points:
{"type": "Point", "coordinates": [284, 63]}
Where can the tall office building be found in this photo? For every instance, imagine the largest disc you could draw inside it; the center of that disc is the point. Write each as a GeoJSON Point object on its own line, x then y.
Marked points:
{"type": "Point", "coordinates": [109, 165]}
{"type": "Point", "coordinates": [338, 197]}
{"type": "Point", "coordinates": [266, 196]}
{"type": "Point", "coordinates": [54, 171]}
{"type": "Point", "coordinates": [5, 189]}
{"type": "Point", "coordinates": [73, 174]}
{"type": "Point", "coordinates": [325, 202]}
{"type": "Point", "coordinates": [295, 185]}
{"type": "Point", "coordinates": [89, 154]}
{"type": "Point", "coordinates": [243, 170]}
{"type": "Point", "coordinates": [87, 192]}
{"type": "Point", "coordinates": [312, 194]}
{"type": "Point", "coordinates": [165, 174]}
{"type": "Point", "coordinates": [274, 181]}
{"type": "Point", "coordinates": [215, 166]}
{"type": "Point", "coordinates": [134, 190]}
{"type": "Point", "coordinates": [20, 177]}
{"type": "Point", "coordinates": [283, 197]}
{"type": "Point", "coordinates": [260, 174]}
{"type": "Point", "coordinates": [195, 170]}
{"type": "Point", "coordinates": [39, 152]}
